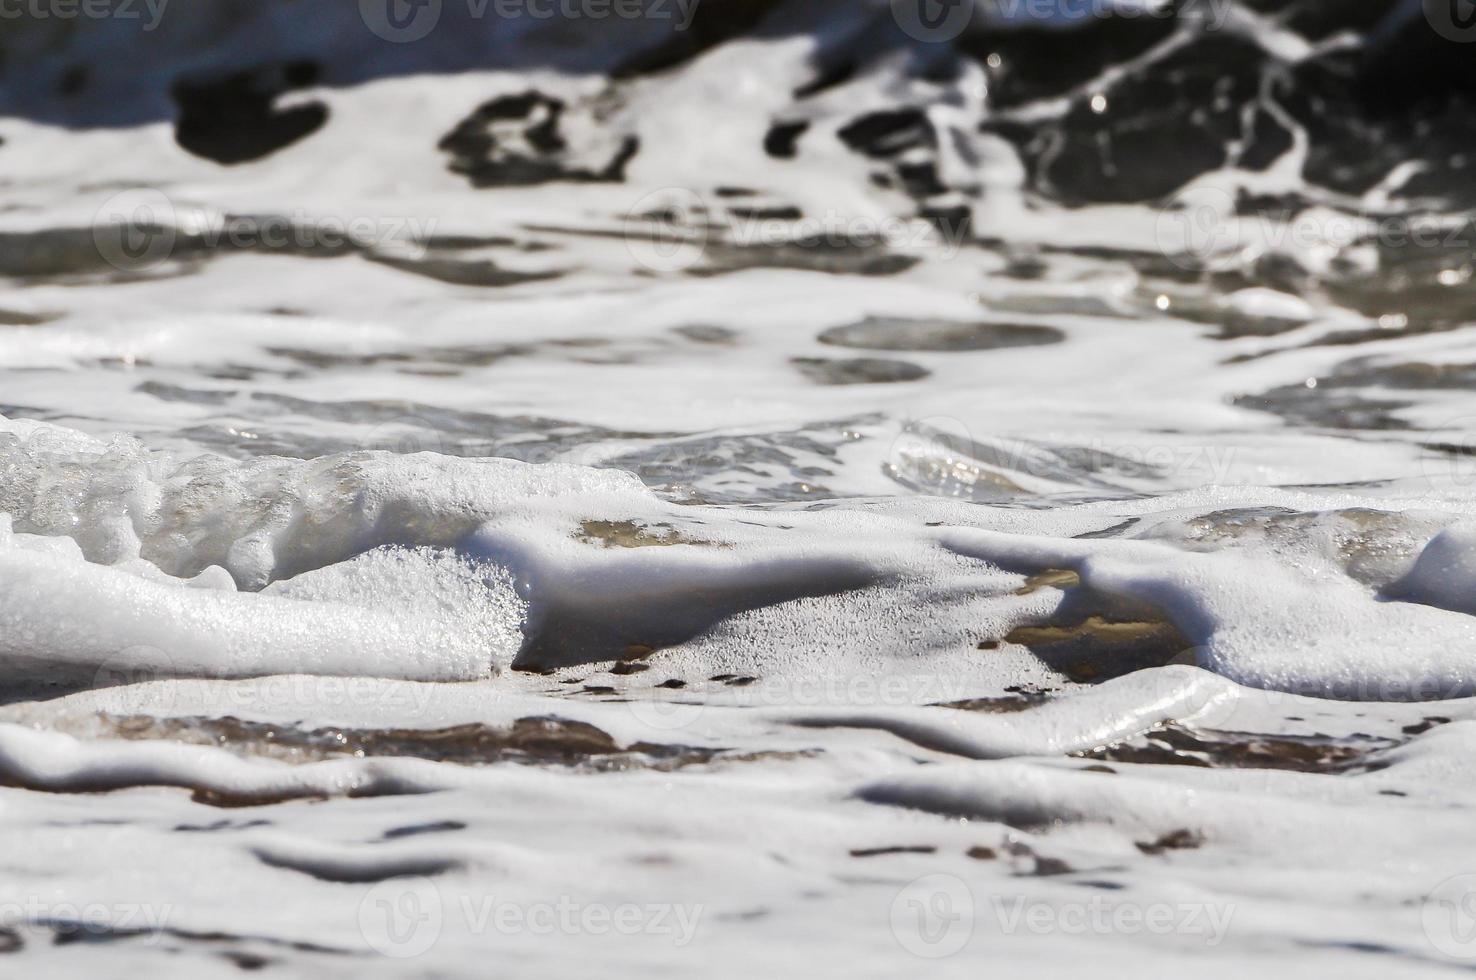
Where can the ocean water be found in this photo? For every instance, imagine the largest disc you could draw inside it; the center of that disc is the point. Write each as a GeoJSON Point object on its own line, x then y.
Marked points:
{"type": "Point", "coordinates": [739, 486]}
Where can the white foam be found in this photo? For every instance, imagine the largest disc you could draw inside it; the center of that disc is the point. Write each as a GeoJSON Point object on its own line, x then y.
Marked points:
{"type": "Point", "coordinates": [279, 497]}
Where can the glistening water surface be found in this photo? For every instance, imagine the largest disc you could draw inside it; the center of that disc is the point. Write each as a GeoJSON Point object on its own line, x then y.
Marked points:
{"type": "Point", "coordinates": [749, 487]}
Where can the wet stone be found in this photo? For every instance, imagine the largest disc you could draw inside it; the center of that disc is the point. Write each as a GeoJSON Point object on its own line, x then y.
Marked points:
{"type": "Point", "coordinates": [234, 119]}
{"type": "Point", "coordinates": [528, 741]}
{"type": "Point", "coordinates": [865, 852]}
{"type": "Point", "coordinates": [1177, 840]}
{"type": "Point", "coordinates": [857, 370]}
{"type": "Point", "coordinates": [1174, 744]}
{"type": "Point", "coordinates": [897, 334]}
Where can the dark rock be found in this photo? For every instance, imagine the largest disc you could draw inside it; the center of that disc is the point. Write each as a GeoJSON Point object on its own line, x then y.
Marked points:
{"type": "Point", "coordinates": [887, 134]}
{"type": "Point", "coordinates": [782, 139]}
{"type": "Point", "coordinates": [865, 852]}
{"type": "Point", "coordinates": [514, 140]}
{"type": "Point", "coordinates": [898, 334]}
{"type": "Point", "coordinates": [233, 119]}
{"type": "Point", "coordinates": [858, 370]}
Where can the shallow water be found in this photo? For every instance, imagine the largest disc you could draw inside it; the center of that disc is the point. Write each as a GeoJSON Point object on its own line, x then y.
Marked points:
{"type": "Point", "coordinates": [782, 493]}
